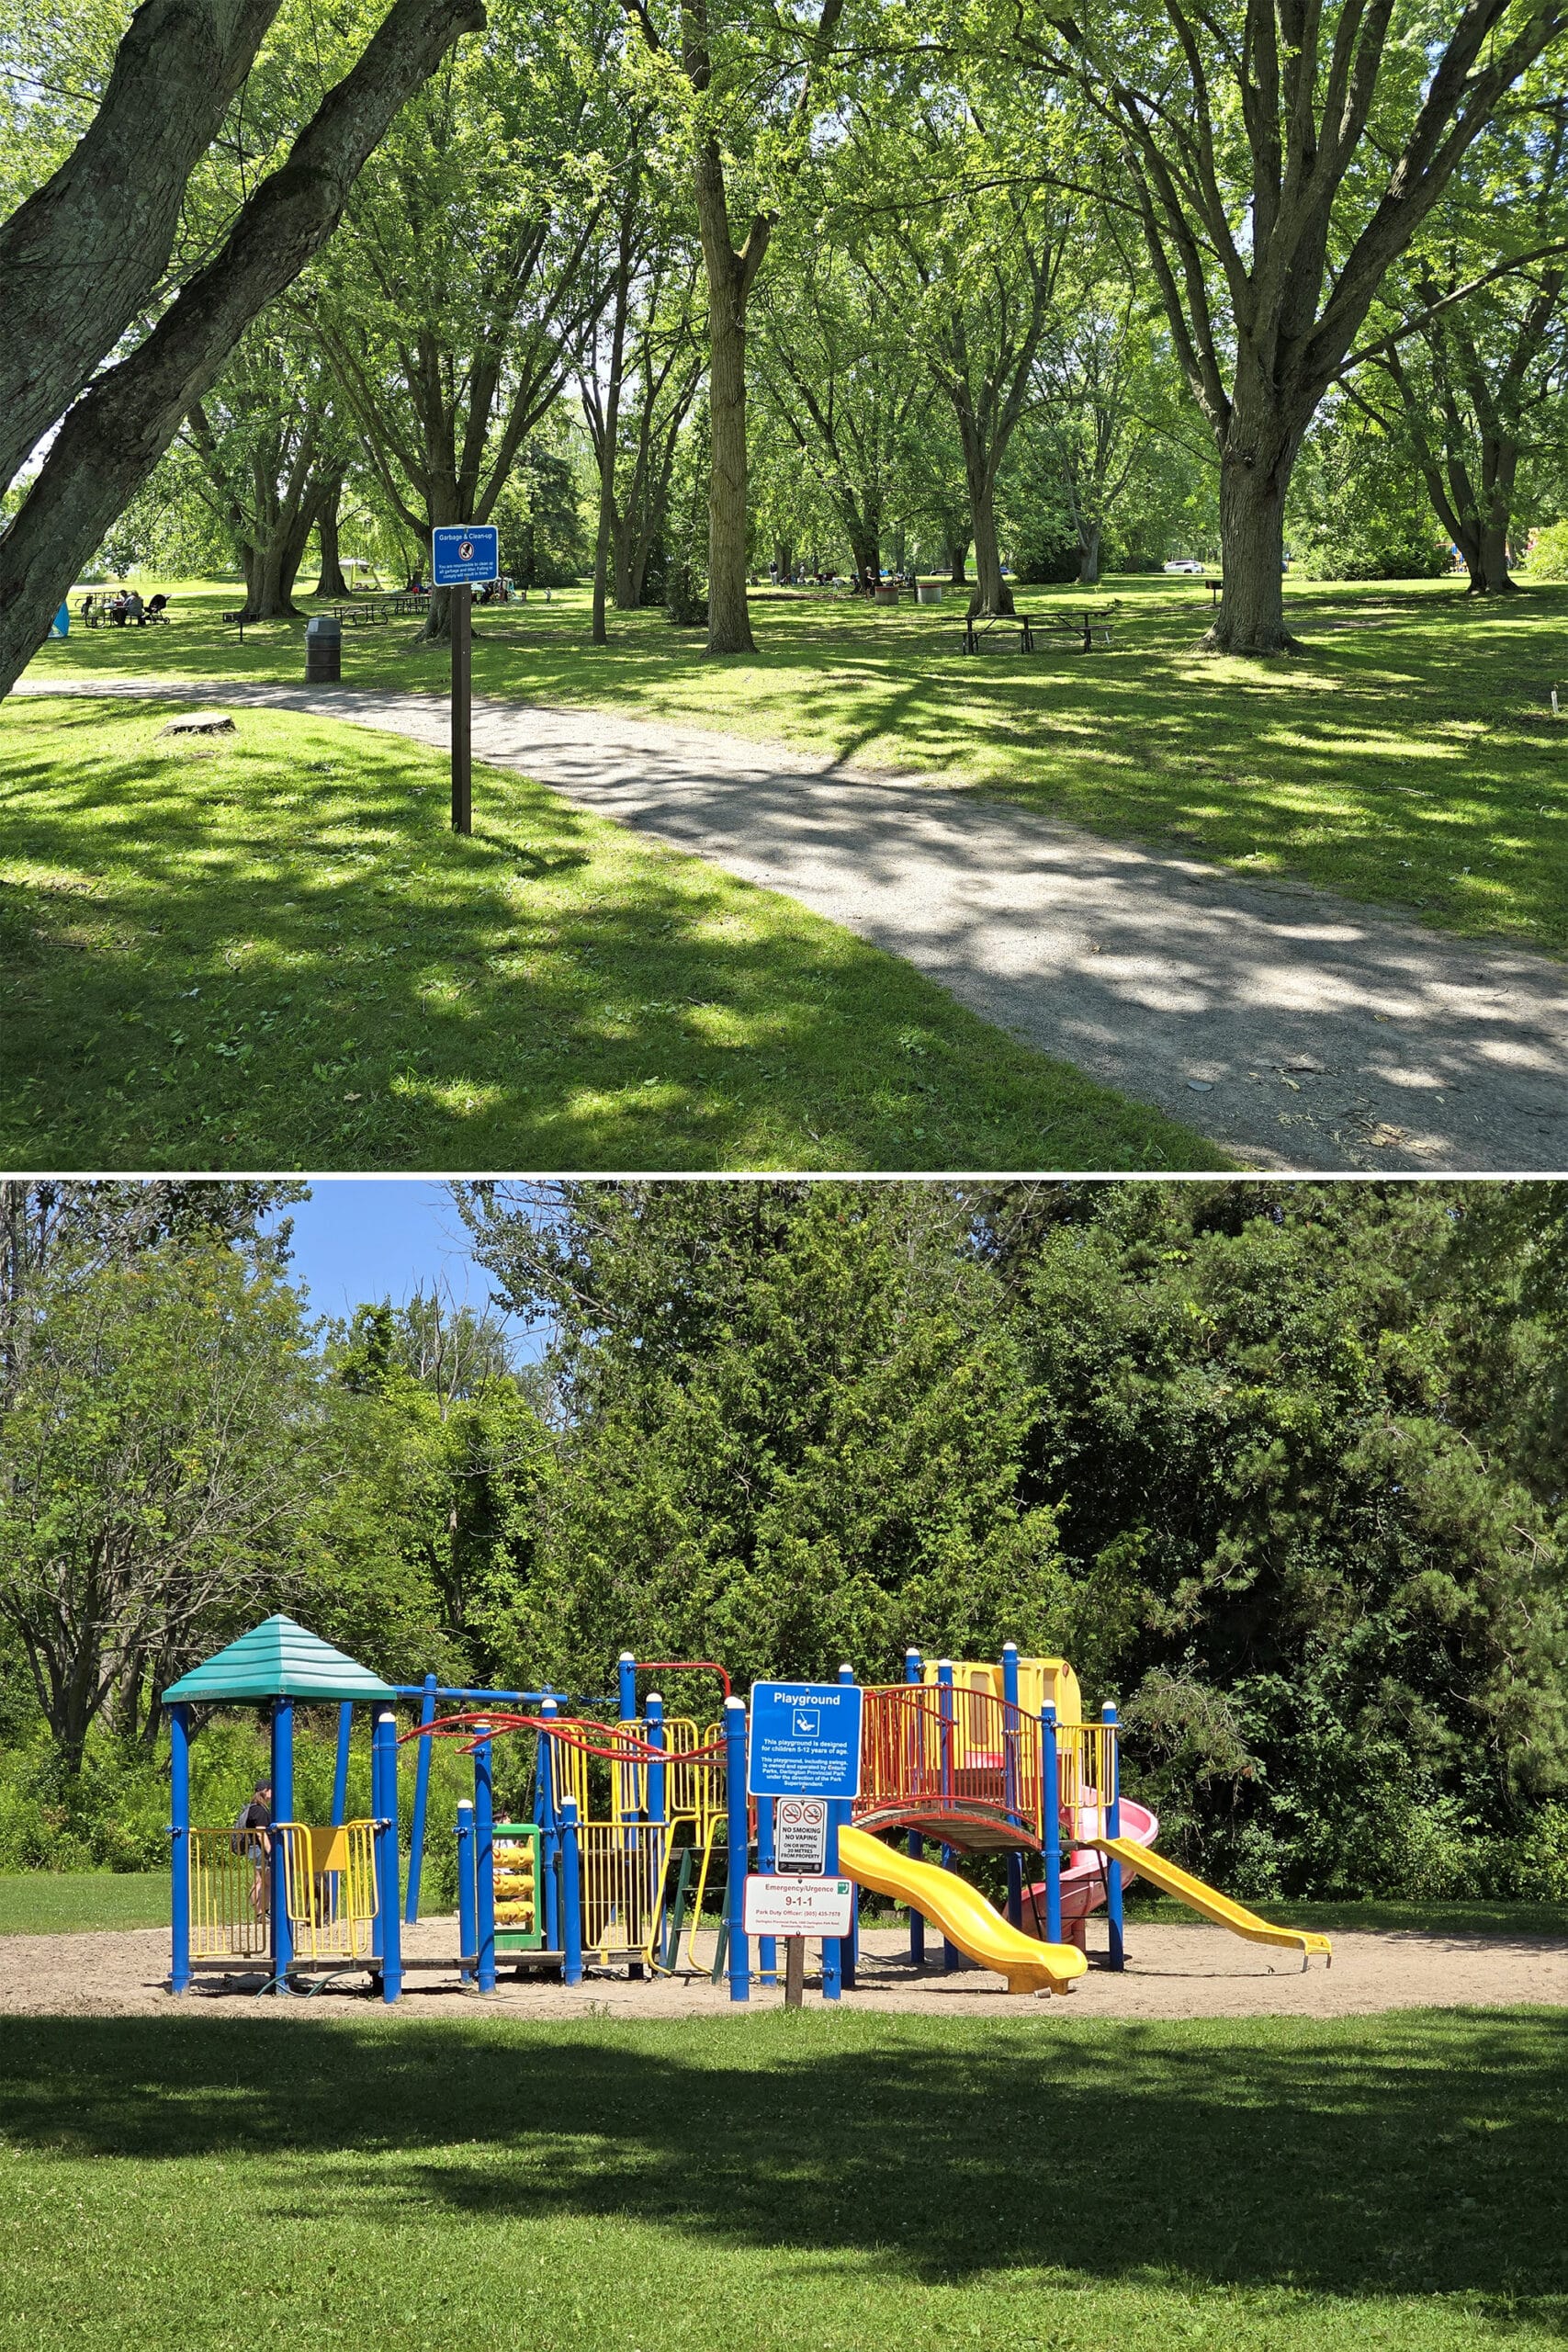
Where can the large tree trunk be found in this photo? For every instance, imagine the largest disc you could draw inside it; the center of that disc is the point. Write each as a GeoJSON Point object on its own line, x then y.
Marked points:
{"type": "Point", "coordinates": [84, 256]}
{"type": "Point", "coordinates": [729, 621]}
{"type": "Point", "coordinates": [1495, 570]}
{"type": "Point", "coordinates": [957, 556]}
{"type": "Point", "coordinates": [991, 594]}
{"type": "Point", "coordinates": [274, 566]}
{"type": "Point", "coordinates": [332, 581]}
{"type": "Point", "coordinates": [1251, 618]}
{"type": "Point", "coordinates": [611, 430]}
{"type": "Point", "coordinates": [117, 432]}
{"type": "Point", "coordinates": [1089, 555]}
{"type": "Point", "coordinates": [628, 570]}
{"type": "Point", "coordinates": [867, 554]}
{"type": "Point", "coordinates": [1499, 467]}
{"type": "Point", "coordinates": [272, 583]}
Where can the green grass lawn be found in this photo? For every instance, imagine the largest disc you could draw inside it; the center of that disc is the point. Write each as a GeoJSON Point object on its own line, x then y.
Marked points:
{"type": "Point", "coordinates": [277, 955]}
{"type": "Point", "coordinates": [783, 2184]}
{"type": "Point", "coordinates": [1410, 757]}
{"type": "Point", "coordinates": [58, 1903]}
{"type": "Point", "coordinates": [1367, 1915]}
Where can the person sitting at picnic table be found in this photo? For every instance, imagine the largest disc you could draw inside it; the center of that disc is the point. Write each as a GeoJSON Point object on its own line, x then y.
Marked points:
{"type": "Point", "coordinates": [116, 608]}
{"type": "Point", "coordinates": [87, 603]}
{"type": "Point", "coordinates": [135, 610]}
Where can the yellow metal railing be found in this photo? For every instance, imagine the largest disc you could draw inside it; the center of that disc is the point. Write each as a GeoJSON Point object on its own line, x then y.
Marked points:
{"type": "Point", "coordinates": [621, 1879]}
{"type": "Point", "coordinates": [329, 1877]}
{"type": "Point", "coordinates": [1086, 1766]}
{"type": "Point", "coordinates": [569, 1775]}
{"type": "Point", "coordinates": [230, 1895]}
{"type": "Point", "coordinates": [713, 1834]}
{"type": "Point", "coordinates": [694, 1792]}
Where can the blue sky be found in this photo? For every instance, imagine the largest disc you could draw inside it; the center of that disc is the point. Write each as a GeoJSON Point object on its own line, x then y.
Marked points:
{"type": "Point", "coordinates": [361, 1238]}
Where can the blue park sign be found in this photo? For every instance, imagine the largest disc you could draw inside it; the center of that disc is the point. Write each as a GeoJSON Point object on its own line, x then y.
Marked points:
{"type": "Point", "coordinates": [804, 1740]}
{"type": "Point", "coordinates": [465, 554]}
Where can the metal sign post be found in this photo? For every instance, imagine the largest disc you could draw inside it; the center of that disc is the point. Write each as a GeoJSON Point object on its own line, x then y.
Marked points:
{"type": "Point", "coordinates": [800, 1835]}
{"type": "Point", "coordinates": [461, 556]}
{"type": "Point", "coordinates": [462, 714]}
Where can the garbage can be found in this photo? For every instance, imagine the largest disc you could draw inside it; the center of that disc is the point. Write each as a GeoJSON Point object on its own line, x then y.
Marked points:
{"type": "Point", "coordinates": [887, 592]}
{"type": "Point", "coordinates": [930, 591]}
{"type": "Point", "coordinates": [324, 651]}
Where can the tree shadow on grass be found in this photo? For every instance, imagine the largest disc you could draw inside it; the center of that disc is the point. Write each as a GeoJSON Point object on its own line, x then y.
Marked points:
{"type": "Point", "coordinates": [1412, 2156]}
{"type": "Point", "coordinates": [278, 952]}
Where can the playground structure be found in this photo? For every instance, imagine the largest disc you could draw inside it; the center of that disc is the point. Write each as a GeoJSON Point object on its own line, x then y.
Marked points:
{"type": "Point", "coordinates": [638, 1826]}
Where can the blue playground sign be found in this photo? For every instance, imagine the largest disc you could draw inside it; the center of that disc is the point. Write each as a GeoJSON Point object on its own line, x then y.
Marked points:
{"type": "Point", "coordinates": [462, 554]}
{"type": "Point", "coordinates": [804, 1740]}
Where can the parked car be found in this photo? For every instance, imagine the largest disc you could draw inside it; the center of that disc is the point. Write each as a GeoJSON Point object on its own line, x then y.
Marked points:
{"type": "Point", "coordinates": [1187, 563]}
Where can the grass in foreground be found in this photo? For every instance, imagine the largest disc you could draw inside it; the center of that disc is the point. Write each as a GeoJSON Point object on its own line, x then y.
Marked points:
{"type": "Point", "coordinates": [59, 1903]}
{"type": "Point", "coordinates": [767, 2182]}
{"type": "Point", "coordinates": [1409, 757]}
{"type": "Point", "coordinates": [277, 955]}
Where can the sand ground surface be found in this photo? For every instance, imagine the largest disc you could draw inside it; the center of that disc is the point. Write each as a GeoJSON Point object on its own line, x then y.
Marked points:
{"type": "Point", "coordinates": [1172, 1971]}
{"type": "Point", "coordinates": [1296, 1029]}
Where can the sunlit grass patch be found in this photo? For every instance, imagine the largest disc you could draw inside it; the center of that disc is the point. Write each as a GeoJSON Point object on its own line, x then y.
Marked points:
{"type": "Point", "coordinates": [762, 2182]}
{"type": "Point", "coordinates": [205, 968]}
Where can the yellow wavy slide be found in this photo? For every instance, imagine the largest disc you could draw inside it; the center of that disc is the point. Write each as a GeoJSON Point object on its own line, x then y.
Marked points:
{"type": "Point", "coordinates": [963, 1916]}
{"type": "Point", "coordinates": [1205, 1899]}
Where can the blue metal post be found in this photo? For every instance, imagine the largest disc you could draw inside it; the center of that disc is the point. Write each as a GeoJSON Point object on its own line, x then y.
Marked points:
{"type": "Point", "coordinates": [340, 1771]}
{"type": "Point", "coordinates": [467, 1925]}
{"type": "Point", "coordinates": [949, 1951]}
{"type": "Point", "coordinates": [1113, 1829]}
{"type": "Point", "coordinates": [626, 1696]}
{"type": "Point", "coordinates": [653, 1813]}
{"type": "Point", "coordinates": [548, 1815]}
{"type": "Point", "coordinates": [832, 1946]}
{"type": "Point", "coordinates": [1010, 1788]}
{"type": "Point", "coordinates": [421, 1800]}
{"type": "Point", "coordinates": [386, 1740]}
{"type": "Point", "coordinates": [656, 1772]}
{"type": "Point", "coordinates": [484, 1859]}
{"type": "Point", "coordinates": [914, 1672]}
{"type": "Point", "coordinates": [378, 1807]}
{"type": "Point", "coordinates": [1051, 1822]}
{"type": "Point", "coordinates": [739, 1848]}
{"type": "Point", "coordinates": [848, 1948]}
{"type": "Point", "coordinates": [570, 1896]}
{"type": "Point", "coordinates": [282, 1810]}
{"type": "Point", "coordinates": [179, 1851]}
{"type": "Point", "coordinates": [767, 1854]}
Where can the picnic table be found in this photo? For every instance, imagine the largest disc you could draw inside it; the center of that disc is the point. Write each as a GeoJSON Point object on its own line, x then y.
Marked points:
{"type": "Point", "coordinates": [1090, 628]}
{"type": "Point", "coordinates": [361, 612]}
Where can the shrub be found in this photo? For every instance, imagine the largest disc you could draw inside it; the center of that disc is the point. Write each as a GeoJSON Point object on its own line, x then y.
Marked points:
{"type": "Point", "coordinates": [686, 598]}
{"type": "Point", "coordinates": [1549, 556]}
{"type": "Point", "coordinates": [1046, 560]}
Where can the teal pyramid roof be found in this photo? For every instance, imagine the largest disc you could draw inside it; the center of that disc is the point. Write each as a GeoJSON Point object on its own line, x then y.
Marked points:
{"type": "Point", "coordinates": [279, 1659]}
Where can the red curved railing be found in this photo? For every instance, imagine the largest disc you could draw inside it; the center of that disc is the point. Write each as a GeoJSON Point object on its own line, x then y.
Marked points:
{"type": "Point", "coordinates": [929, 1749]}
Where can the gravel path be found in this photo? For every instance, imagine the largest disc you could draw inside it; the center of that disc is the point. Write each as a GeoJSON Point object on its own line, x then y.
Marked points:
{"type": "Point", "coordinates": [1193, 1971]}
{"type": "Point", "coordinates": [1295, 1029]}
